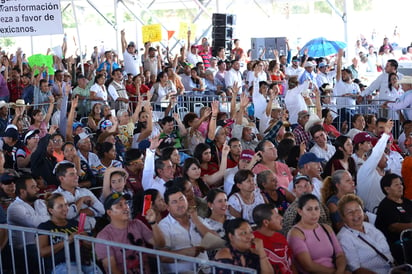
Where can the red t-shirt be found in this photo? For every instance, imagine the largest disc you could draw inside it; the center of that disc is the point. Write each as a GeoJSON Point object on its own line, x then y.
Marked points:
{"type": "Point", "coordinates": [278, 251]}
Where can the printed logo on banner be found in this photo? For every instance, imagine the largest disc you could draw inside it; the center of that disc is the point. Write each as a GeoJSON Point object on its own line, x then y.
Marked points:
{"type": "Point", "coordinates": [30, 17]}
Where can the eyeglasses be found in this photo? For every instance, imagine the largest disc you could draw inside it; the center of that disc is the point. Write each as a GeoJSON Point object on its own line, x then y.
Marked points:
{"type": "Point", "coordinates": [56, 141]}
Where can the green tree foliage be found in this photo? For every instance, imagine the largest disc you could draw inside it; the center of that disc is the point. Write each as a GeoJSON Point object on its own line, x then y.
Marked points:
{"type": "Point", "coordinates": [6, 42]}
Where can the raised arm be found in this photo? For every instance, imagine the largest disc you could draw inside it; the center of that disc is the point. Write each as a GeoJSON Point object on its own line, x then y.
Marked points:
{"type": "Point", "coordinates": [70, 119]}
{"type": "Point", "coordinates": [235, 92]}
{"type": "Point", "coordinates": [149, 163]}
{"type": "Point", "coordinates": [123, 40]}
{"type": "Point", "coordinates": [217, 176]}
{"type": "Point", "coordinates": [50, 110]}
{"type": "Point", "coordinates": [182, 129]}
{"type": "Point", "coordinates": [339, 66]}
{"type": "Point", "coordinates": [212, 122]}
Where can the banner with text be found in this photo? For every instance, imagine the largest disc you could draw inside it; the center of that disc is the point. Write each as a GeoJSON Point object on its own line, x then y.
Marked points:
{"type": "Point", "coordinates": [152, 33]}
{"type": "Point", "coordinates": [30, 17]}
{"type": "Point", "coordinates": [184, 28]}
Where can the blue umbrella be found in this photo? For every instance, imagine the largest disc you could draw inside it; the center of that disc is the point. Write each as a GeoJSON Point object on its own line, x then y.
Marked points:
{"type": "Point", "coordinates": [320, 47]}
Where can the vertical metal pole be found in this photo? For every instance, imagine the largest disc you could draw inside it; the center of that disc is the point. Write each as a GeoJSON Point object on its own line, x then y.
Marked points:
{"type": "Point", "coordinates": [115, 29]}
{"type": "Point", "coordinates": [78, 36]}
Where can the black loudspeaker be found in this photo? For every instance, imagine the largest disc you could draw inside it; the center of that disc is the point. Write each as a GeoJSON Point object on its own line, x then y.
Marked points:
{"type": "Point", "coordinates": [269, 43]}
{"type": "Point", "coordinates": [222, 32]}
{"type": "Point", "coordinates": [223, 19]}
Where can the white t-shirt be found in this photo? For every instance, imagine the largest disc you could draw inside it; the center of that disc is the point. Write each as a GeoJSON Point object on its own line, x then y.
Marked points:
{"type": "Point", "coordinates": [132, 63]}
{"type": "Point", "coordinates": [343, 88]}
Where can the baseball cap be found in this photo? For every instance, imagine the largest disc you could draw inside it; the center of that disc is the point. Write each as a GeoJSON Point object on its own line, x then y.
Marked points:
{"type": "Point", "coordinates": [105, 124]}
{"type": "Point", "coordinates": [30, 134]}
{"type": "Point", "coordinates": [322, 65]}
{"type": "Point", "coordinates": [81, 136]}
{"type": "Point", "coordinates": [131, 44]}
{"type": "Point", "coordinates": [295, 58]}
{"type": "Point", "coordinates": [76, 125]}
{"type": "Point", "coordinates": [247, 154]}
{"type": "Point", "coordinates": [11, 131]}
{"type": "Point", "coordinates": [152, 49]}
{"type": "Point", "coordinates": [362, 137]}
{"type": "Point", "coordinates": [309, 157]}
{"type": "Point", "coordinates": [3, 104]}
{"type": "Point", "coordinates": [302, 114]}
{"type": "Point", "coordinates": [114, 198]}
{"type": "Point", "coordinates": [310, 64]}
{"type": "Point", "coordinates": [300, 177]}
{"type": "Point", "coordinates": [8, 178]}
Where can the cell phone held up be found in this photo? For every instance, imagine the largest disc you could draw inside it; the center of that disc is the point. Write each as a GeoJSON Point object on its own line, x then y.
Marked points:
{"type": "Point", "coordinates": [147, 202]}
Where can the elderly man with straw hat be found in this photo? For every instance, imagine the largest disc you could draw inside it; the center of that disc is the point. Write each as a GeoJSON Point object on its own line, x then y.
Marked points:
{"type": "Point", "coordinates": [405, 101]}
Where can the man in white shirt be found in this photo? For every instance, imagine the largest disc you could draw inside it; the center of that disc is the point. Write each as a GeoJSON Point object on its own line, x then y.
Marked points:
{"type": "Point", "coordinates": [26, 211]}
{"type": "Point", "coordinates": [193, 57]}
{"type": "Point", "coordinates": [321, 148]}
{"type": "Point", "coordinates": [183, 231]}
{"type": "Point", "coordinates": [131, 58]}
{"type": "Point", "coordinates": [295, 69]}
{"type": "Point", "coordinates": [80, 200]}
{"type": "Point", "coordinates": [346, 91]}
{"type": "Point", "coordinates": [233, 75]}
{"type": "Point", "coordinates": [324, 75]}
{"type": "Point", "coordinates": [370, 173]}
{"type": "Point", "coordinates": [381, 82]}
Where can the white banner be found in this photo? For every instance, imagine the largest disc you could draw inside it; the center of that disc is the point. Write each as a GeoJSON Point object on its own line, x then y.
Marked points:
{"type": "Point", "coordinates": [30, 17]}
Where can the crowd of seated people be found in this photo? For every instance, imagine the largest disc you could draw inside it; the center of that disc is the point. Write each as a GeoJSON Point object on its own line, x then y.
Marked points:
{"type": "Point", "coordinates": [280, 161]}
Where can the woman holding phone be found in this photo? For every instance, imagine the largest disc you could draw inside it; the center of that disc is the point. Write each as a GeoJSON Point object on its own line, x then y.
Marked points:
{"type": "Point", "coordinates": [58, 209]}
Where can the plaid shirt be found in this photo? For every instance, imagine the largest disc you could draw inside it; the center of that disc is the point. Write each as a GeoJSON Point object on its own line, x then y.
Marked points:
{"type": "Point", "coordinates": [271, 135]}
{"type": "Point", "coordinates": [301, 135]}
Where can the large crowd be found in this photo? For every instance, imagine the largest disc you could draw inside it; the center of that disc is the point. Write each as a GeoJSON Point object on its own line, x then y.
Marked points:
{"type": "Point", "coordinates": [294, 162]}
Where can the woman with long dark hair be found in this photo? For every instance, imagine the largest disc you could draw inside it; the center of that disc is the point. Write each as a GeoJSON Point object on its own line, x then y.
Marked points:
{"type": "Point", "coordinates": [244, 198]}
{"type": "Point", "coordinates": [342, 159]}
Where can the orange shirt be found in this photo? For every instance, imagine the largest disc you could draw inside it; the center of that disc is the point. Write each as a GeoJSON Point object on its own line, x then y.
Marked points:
{"type": "Point", "coordinates": [407, 176]}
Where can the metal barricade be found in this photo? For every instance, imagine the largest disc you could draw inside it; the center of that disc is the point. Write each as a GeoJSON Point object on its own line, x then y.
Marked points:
{"type": "Point", "coordinates": [27, 251]}
{"type": "Point", "coordinates": [198, 264]}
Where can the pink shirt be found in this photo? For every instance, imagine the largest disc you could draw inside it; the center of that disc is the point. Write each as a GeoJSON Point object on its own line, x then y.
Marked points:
{"type": "Point", "coordinates": [317, 244]}
{"type": "Point", "coordinates": [283, 175]}
{"type": "Point", "coordinates": [42, 128]}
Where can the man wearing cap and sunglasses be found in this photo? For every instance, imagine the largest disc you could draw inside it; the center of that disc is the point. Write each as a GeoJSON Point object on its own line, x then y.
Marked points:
{"type": "Point", "coordinates": [124, 230]}
{"type": "Point", "coordinates": [132, 62]}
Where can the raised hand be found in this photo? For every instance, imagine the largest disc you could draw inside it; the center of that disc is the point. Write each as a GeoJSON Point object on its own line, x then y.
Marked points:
{"type": "Point", "coordinates": [244, 100]}
{"type": "Point", "coordinates": [155, 142]}
{"type": "Point", "coordinates": [215, 108]}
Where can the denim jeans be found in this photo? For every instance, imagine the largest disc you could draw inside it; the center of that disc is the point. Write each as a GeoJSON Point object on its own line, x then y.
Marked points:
{"type": "Point", "coordinates": [86, 269]}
